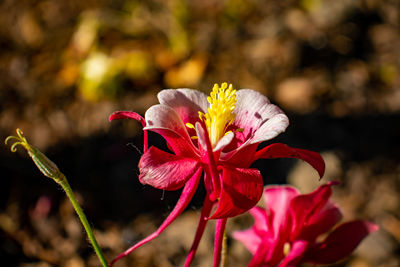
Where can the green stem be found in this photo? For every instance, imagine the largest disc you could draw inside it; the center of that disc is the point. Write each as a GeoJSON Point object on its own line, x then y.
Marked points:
{"type": "Point", "coordinates": [64, 184]}
{"type": "Point", "coordinates": [50, 169]}
{"type": "Point", "coordinates": [224, 251]}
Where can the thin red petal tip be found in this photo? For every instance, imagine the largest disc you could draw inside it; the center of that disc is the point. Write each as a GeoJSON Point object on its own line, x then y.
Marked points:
{"type": "Point", "coordinates": [127, 115]}
{"type": "Point", "coordinates": [115, 116]}
{"type": "Point", "coordinates": [111, 117]}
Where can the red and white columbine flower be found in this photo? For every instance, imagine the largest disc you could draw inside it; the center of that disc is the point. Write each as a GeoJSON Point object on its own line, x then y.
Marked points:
{"type": "Point", "coordinates": [216, 135]}
{"type": "Point", "coordinates": [285, 233]}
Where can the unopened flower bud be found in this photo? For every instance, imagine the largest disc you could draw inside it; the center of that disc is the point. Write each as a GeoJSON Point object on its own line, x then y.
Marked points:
{"type": "Point", "coordinates": [44, 164]}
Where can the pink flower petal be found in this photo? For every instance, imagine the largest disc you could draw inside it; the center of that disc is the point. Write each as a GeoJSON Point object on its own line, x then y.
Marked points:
{"type": "Point", "coordinates": [163, 170]}
{"type": "Point", "coordinates": [202, 136]}
{"type": "Point", "coordinates": [165, 121]}
{"type": "Point", "coordinates": [224, 141]}
{"type": "Point", "coordinates": [341, 242]}
{"type": "Point", "coordinates": [184, 199]}
{"type": "Point", "coordinates": [186, 102]}
{"type": "Point", "coordinates": [304, 207]}
{"type": "Point", "coordinates": [260, 255]}
{"type": "Point", "coordinates": [259, 119]}
{"type": "Point", "coordinates": [295, 255]}
{"type": "Point", "coordinates": [321, 222]}
{"type": "Point", "coordinates": [277, 201]}
{"type": "Point", "coordinates": [250, 239]}
{"type": "Point", "coordinates": [241, 158]}
{"type": "Point", "coordinates": [271, 128]}
{"type": "Point", "coordinates": [279, 150]}
{"type": "Point", "coordinates": [241, 190]}
{"type": "Point", "coordinates": [260, 220]}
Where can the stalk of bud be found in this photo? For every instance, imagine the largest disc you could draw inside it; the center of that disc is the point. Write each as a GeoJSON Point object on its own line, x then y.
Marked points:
{"type": "Point", "coordinates": [50, 169]}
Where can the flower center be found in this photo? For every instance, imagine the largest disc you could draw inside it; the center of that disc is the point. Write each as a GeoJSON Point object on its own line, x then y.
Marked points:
{"type": "Point", "coordinates": [220, 113]}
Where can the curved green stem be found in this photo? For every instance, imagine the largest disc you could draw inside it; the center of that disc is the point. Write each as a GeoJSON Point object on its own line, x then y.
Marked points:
{"type": "Point", "coordinates": [50, 169]}
{"type": "Point", "coordinates": [64, 184]}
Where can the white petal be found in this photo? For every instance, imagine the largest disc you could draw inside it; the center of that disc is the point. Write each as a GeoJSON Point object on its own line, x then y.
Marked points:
{"type": "Point", "coordinates": [186, 102]}
{"type": "Point", "coordinates": [259, 119]}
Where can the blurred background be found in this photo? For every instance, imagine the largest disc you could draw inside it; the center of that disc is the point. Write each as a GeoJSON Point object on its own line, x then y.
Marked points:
{"type": "Point", "coordinates": [65, 66]}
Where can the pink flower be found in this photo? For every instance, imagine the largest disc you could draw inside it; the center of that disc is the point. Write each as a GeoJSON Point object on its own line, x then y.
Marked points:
{"type": "Point", "coordinates": [285, 234]}
{"type": "Point", "coordinates": [218, 136]}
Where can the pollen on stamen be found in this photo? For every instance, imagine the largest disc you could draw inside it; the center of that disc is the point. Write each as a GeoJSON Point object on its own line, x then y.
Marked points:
{"type": "Point", "coordinates": [189, 125]}
{"type": "Point", "coordinates": [219, 114]}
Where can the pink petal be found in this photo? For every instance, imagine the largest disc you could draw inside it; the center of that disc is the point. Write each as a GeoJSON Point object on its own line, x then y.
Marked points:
{"type": "Point", "coordinates": [250, 239]}
{"type": "Point", "coordinates": [163, 170]}
{"type": "Point", "coordinates": [321, 222]}
{"type": "Point", "coordinates": [242, 157]}
{"type": "Point", "coordinates": [203, 135]}
{"type": "Point", "coordinates": [295, 255]}
{"type": "Point", "coordinates": [279, 150]}
{"type": "Point", "coordinates": [268, 253]}
{"type": "Point", "coordinates": [165, 121]}
{"type": "Point", "coordinates": [241, 190]}
{"type": "Point", "coordinates": [259, 258]}
{"type": "Point", "coordinates": [259, 119]}
{"type": "Point", "coordinates": [304, 207]}
{"type": "Point", "coordinates": [260, 219]}
{"type": "Point", "coordinates": [341, 242]}
{"type": "Point", "coordinates": [277, 201]}
{"type": "Point", "coordinates": [224, 141]}
{"type": "Point", "coordinates": [186, 102]}
{"type": "Point", "coordinates": [184, 199]}
{"type": "Point", "coordinates": [271, 128]}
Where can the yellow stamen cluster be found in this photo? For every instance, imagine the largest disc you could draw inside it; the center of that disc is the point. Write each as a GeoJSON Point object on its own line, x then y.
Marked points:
{"type": "Point", "coordinates": [220, 113]}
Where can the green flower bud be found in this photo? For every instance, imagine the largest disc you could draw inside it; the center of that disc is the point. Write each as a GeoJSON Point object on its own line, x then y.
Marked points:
{"type": "Point", "coordinates": [44, 164]}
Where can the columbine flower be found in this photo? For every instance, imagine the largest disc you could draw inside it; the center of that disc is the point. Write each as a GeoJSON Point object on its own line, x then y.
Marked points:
{"type": "Point", "coordinates": [285, 234]}
{"type": "Point", "coordinates": [217, 135]}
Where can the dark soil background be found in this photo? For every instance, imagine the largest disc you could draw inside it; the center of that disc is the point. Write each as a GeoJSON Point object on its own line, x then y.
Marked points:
{"type": "Point", "coordinates": [65, 66]}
